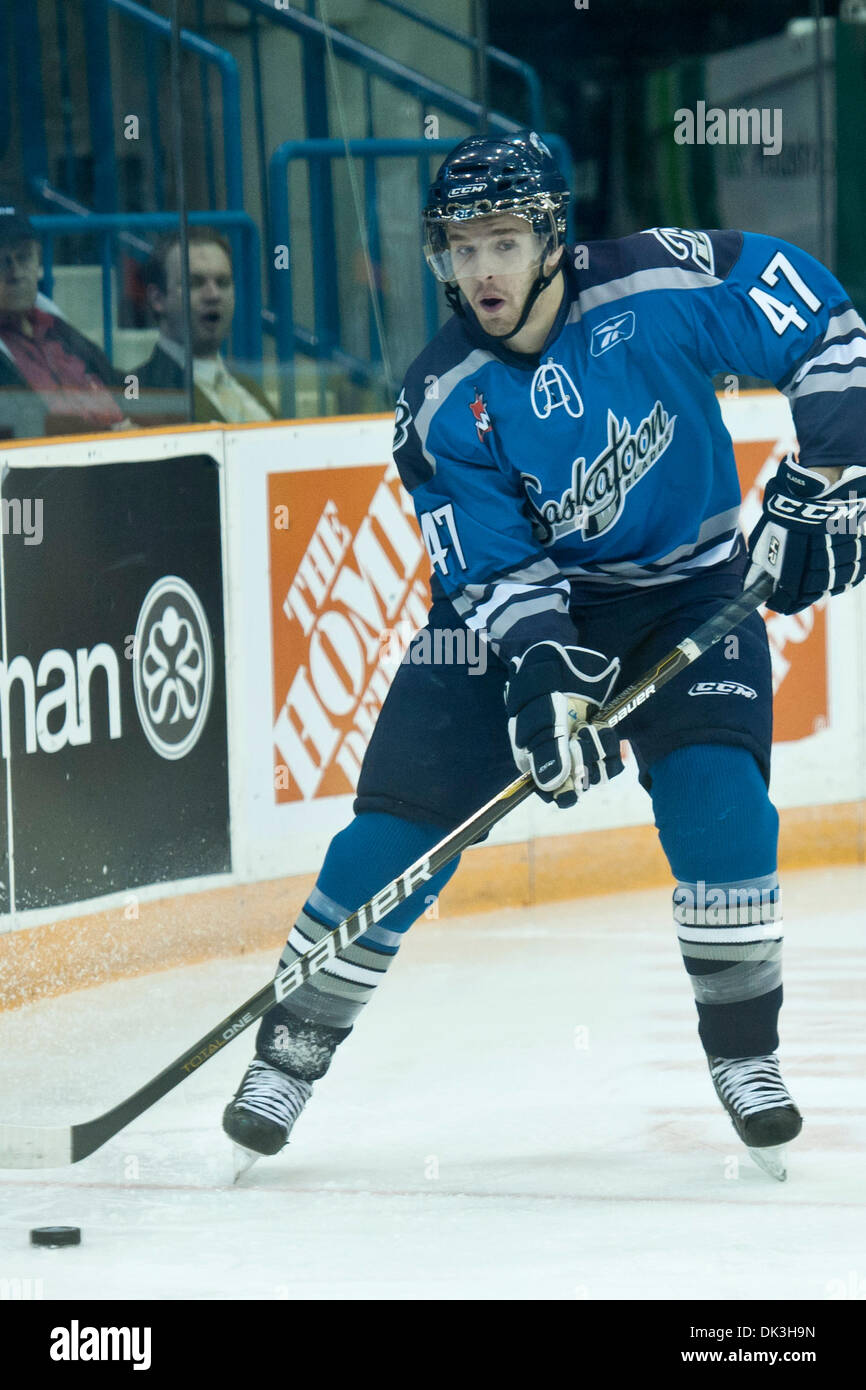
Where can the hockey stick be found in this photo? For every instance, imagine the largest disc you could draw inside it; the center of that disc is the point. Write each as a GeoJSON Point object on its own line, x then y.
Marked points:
{"type": "Point", "coordinates": [24, 1146]}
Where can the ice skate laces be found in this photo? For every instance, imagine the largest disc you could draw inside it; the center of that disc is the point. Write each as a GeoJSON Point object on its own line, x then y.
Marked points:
{"type": "Point", "coordinates": [750, 1084]}
{"type": "Point", "coordinates": [273, 1095]}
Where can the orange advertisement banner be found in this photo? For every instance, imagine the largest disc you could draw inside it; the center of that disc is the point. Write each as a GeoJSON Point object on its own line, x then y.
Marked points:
{"type": "Point", "coordinates": [349, 586]}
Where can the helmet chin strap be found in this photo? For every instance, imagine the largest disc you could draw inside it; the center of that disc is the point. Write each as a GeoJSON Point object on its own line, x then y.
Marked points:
{"type": "Point", "coordinates": [541, 282]}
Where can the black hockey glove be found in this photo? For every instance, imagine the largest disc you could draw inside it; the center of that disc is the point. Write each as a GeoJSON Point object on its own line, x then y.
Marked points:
{"type": "Point", "coordinates": [550, 698]}
{"type": "Point", "coordinates": [810, 536]}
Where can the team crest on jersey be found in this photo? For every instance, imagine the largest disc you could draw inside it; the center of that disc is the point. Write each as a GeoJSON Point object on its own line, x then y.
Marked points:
{"type": "Point", "coordinates": [687, 246]}
{"type": "Point", "coordinates": [553, 389]}
{"type": "Point", "coordinates": [402, 421]}
{"type": "Point", "coordinates": [594, 501]}
{"type": "Point", "coordinates": [483, 422]}
{"type": "Point", "coordinates": [606, 335]}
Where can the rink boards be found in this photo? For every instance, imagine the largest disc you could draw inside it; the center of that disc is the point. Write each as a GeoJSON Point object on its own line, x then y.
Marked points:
{"type": "Point", "coordinates": [198, 635]}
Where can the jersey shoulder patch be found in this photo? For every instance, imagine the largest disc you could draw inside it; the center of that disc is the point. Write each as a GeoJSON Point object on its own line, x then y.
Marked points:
{"type": "Point", "coordinates": [713, 252]}
{"type": "Point", "coordinates": [708, 253]}
{"type": "Point", "coordinates": [694, 249]}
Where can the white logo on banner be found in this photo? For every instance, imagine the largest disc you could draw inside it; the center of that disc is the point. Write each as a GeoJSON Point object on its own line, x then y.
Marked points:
{"type": "Point", "coordinates": [173, 667]}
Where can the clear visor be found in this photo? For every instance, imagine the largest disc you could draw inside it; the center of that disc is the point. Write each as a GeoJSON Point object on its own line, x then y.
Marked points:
{"type": "Point", "coordinates": [476, 247]}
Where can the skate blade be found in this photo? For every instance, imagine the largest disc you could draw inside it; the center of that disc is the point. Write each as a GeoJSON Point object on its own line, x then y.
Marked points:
{"type": "Point", "coordinates": [243, 1160]}
{"type": "Point", "coordinates": [772, 1160]}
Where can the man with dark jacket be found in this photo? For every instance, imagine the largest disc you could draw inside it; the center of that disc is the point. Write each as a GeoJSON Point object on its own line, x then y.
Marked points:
{"type": "Point", "coordinates": [53, 380]}
{"type": "Point", "coordinates": [220, 392]}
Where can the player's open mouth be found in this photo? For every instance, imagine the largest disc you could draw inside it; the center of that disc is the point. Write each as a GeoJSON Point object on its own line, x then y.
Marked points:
{"type": "Point", "coordinates": [491, 303]}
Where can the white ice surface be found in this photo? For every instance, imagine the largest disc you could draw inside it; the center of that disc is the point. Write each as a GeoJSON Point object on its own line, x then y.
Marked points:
{"type": "Point", "coordinates": [524, 1112]}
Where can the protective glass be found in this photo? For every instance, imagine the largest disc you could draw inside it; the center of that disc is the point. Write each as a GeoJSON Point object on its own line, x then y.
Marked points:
{"type": "Point", "coordinates": [471, 248]}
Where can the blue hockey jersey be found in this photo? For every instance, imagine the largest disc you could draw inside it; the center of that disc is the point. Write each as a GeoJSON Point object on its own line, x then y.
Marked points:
{"type": "Point", "coordinates": [602, 465]}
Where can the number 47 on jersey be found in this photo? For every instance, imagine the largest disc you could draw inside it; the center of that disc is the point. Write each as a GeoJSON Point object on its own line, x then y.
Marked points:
{"type": "Point", "coordinates": [439, 530]}
{"type": "Point", "coordinates": [780, 314]}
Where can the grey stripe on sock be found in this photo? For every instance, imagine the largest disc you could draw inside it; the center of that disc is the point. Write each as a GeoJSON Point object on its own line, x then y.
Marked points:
{"type": "Point", "coordinates": [756, 950]}
{"type": "Point", "coordinates": [745, 980]}
{"type": "Point", "coordinates": [306, 932]}
{"type": "Point", "coordinates": [336, 913]}
{"type": "Point", "coordinates": [313, 1006]}
{"type": "Point", "coordinates": [327, 907]}
{"type": "Point", "coordinates": [336, 994]}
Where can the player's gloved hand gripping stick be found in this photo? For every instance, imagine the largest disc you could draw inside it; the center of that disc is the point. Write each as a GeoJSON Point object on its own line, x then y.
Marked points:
{"type": "Point", "coordinates": [810, 537]}
{"type": "Point", "coordinates": [25, 1146]}
{"type": "Point", "coordinates": [553, 700]}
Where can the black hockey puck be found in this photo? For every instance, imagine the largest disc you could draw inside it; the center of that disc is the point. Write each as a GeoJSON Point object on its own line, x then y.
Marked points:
{"type": "Point", "coordinates": [56, 1235]}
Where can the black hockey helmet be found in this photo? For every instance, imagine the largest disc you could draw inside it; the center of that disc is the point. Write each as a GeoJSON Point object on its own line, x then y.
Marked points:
{"type": "Point", "coordinates": [484, 175]}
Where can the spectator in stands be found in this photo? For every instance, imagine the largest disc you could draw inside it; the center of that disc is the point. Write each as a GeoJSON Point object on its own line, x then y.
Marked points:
{"type": "Point", "coordinates": [53, 380]}
{"type": "Point", "coordinates": [221, 393]}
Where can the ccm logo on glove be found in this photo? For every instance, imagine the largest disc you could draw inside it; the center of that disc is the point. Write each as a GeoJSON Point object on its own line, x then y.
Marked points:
{"type": "Point", "coordinates": [810, 536]}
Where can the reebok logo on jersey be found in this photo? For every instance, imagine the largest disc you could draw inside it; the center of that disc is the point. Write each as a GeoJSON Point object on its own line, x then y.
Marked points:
{"type": "Point", "coordinates": [597, 494]}
{"type": "Point", "coordinates": [723, 688]}
{"type": "Point", "coordinates": [611, 332]}
{"type": "Point", "coordinates": [483, 422]}
{"type": "Point", "coordinates": [552, 388]}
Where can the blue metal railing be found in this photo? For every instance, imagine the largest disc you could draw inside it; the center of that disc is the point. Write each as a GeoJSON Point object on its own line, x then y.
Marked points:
{"type": "Point", "coordinates": [225, 64]}
{"type": "Point", "coordinates": [6, 51]}
{"type": "Point", "coordinates": [396, 74]}
{"type": "Point", "coordinates": [497, 56]}
{"type": "Point", "coordinates": [154, 29]}
{"type": "Point", "coordinates": [323, 340]}
{"type": "Point", "coordinates": [62, 22]}
{"type": "Point", "coordinates": [100, 104]}
{"type": "Point", "coordinates": [31, 116]}
{"type": "Point", "coordinates": [109, 228]}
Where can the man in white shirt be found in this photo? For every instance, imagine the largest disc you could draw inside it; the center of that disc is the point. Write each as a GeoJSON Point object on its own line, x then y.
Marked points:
{"type": "Point", "coordinates": [220, 393]}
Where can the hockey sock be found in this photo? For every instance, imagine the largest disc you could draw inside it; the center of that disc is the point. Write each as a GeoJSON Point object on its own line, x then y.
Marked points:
{"type": "Point", "coordinates": [719, 831]}
{"type": "Point", "coordinates": [301, 1033]}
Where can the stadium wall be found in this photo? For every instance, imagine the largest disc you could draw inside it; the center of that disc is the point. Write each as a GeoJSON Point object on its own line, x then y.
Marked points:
{"type": "Point", "coordinates": [284, 564]}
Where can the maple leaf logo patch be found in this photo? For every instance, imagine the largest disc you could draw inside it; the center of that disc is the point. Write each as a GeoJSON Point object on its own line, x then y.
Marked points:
{"type": "Point", "coordinates": [483, 423]}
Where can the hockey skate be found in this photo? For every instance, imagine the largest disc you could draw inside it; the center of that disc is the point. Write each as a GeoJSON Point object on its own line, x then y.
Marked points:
{"type": "Point", "coordinates": [260, 1118]}
{"type": "Point", "coordinates": [761, 1110]}
{"type": "Point", "coordinates": [290, 1055]}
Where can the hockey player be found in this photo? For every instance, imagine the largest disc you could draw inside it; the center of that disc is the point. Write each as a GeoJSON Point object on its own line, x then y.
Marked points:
{"type": "Point", "coordinates": [578, 495]}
